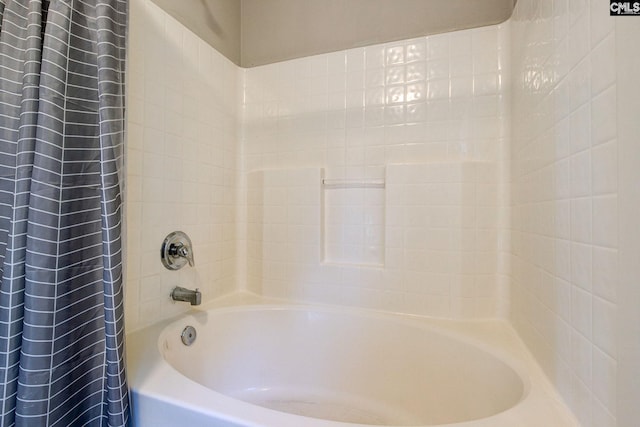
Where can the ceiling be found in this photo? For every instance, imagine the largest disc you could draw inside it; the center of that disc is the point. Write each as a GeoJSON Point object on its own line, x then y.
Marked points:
{"type": "Point", "coordinates": [258, 32]}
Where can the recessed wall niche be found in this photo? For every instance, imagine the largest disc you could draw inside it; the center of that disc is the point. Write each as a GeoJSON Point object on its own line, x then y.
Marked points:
{"type": "Point", "coordinates": [353, 222]}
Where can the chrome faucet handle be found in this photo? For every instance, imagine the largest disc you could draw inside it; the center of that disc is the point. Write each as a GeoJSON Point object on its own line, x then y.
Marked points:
{"type": "Point", "coordinates": [176, 251]}
{"type": "Point", "coordinates": [181, 250]}
{"type": "Point", "coordinates": [185, 252]}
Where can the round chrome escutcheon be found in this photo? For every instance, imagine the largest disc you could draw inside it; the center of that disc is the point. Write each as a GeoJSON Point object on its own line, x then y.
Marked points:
{"type": "Point", "coordinates": [188, 335]}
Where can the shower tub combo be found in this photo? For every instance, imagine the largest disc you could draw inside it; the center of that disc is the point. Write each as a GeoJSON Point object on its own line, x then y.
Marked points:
{"type": "Point", "coordinates": [254, 363]}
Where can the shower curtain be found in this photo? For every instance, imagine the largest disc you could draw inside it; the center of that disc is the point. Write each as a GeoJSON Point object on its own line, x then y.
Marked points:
{"type": "Point", "coordinates": [61, 145]}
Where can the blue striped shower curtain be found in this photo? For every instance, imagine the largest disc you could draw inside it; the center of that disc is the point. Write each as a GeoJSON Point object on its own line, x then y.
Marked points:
{"type": "Point", "coordinates": [61, 146]}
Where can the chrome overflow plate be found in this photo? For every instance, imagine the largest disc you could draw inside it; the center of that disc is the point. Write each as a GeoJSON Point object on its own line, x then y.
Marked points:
{"type": "Point", "coordinates": [176, 251]}
{"type": "Point", "coordinates": [188, 335]}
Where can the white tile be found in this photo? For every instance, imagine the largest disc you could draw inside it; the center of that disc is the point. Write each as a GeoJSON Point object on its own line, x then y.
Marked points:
{"type": "Point", "coordinates": [485, 61]}
{"type": "Point", "coordinates": [375, 77]}
{"type": "Point", "coordinates": [601, 416]}
{"type": "Point", "coordinates": [581, 311]}
{"type": "Point", "coordinates": [416, 113]}
{"type": "Point", "coordinates": [460, 43]}
{"type": "Point", "coordinates": [603, 69]}
{"type": "Point", "coordinates": [581, 359]}
{"type": "Point", "coordinates": [579, 42]}
{"type": "Point", "coordinates": [581, 402]}
{"type": "Point", "coordinates": [581, 220]}
{"type": "Point", "coordinates": [416, 50]}
{"type": "Point", "coordinates": [415, 92]}
{"type": "Point", "coordinates": [580, 167]}
{"type": "Point", "coordinates": [485, 84]}
{"type": "Point", "coordinates": [438, 89]}
{"type": "Point", "coordinates": [395, 94]}
{"type": "Point", "coordinates": [355, 59]}
{"type": "Point", "coordinates": [437, 46]}
{"type": "Point", "coordinates": [581, 266]}
{"type": "Point", "coordinates": [484, 40]}
{"type": "Point", "coordinates": [579, 80]}
{"type": "Point", "coordinates": [601, 23]}
{"type": "Point", "coordinates": [461, 87]}
{"type": "Point", "coordinates": [605, 273]}
{"type": "Point", "coordinates": [604, 382]}
{"type": "Point", "coordinates": [603, 117]}
{"type": "Point", "coordinates": [336, 63]}
{"type": "Point", "coordinates": [438, 69]}
{"type": "Point", "coordinates": [375, 56]}
{"type": "Point", "coordinates": [394, 54]}
{"type": "Point", "coordinates": [416, 71]}
{"type": "Point", "coordinates": [604, 326]}
{"type": "Point", "coordinates": [604, 159]}
{"type": "Point", "coordinates": [580, 125]}
{"type": "Point", "coordinates": [562, 172]}
{"type": "Point", "coordinates": [605, 221]}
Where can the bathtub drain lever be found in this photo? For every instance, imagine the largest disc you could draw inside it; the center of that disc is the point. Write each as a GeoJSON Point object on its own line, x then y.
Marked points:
{"type": "Point", "coordinates": [188, 335]}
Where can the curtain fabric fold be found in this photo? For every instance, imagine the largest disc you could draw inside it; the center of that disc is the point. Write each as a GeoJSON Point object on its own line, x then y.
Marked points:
{"type": "Point", "coordinates": [61, 147]}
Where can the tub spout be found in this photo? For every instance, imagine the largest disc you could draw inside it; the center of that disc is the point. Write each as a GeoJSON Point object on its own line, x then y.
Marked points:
{"type": "Point", "coordinates": [183, 294]}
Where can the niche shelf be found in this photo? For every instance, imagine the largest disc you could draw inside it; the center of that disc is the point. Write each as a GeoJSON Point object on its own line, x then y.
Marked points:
{"type": "Point", "coordinates": [352, 183]}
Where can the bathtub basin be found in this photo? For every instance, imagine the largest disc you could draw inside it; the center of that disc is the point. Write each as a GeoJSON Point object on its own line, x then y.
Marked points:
{"type": "Point", "coordinates": [292, 365]}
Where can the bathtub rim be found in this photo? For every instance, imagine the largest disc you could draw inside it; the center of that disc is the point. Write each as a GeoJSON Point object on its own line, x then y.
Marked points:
{"type": "Point", "coordinates": [149, 371]}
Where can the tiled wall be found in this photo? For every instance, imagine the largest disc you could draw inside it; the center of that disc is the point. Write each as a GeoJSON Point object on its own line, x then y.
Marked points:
{"type": "Point", "coordinates": [564, 216]}
{"type": "Point", "coordinates": [628, 292]}
{"type": "Point", "coordinates": [433, 101]}
{"type": "Point", "coordinates": [181, 163]}
{"type": "Point", "coordinates": [439, 253]}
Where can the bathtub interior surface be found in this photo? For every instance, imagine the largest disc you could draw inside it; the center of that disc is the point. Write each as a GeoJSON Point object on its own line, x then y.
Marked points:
{"type": "Point", "coordinates": [331, 405]}
{"type": "Point", "coordinates": [340, 366]}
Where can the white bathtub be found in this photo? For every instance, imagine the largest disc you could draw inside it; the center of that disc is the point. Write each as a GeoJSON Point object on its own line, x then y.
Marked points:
{"type": "Point", "coordinates": [298, 365]}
